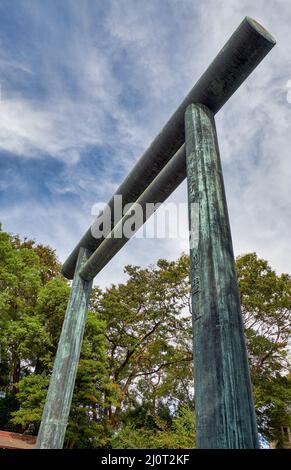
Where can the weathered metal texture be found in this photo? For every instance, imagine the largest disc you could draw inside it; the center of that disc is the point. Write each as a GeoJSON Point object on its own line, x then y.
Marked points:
{"type": "Point", "coordinates": [245, 49]}
{"type": "Point", "coordinates": [157, 192]}
{"type": "Point", "coordinates": [225, 416]}
{"type": "Point", "coordinates": [58, 401]}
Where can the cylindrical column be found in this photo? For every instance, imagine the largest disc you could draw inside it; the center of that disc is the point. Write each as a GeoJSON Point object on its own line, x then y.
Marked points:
{"type": "Point", "coordinates": [58, 402]}
{"type": "Point", "coordinates": [225, 416]}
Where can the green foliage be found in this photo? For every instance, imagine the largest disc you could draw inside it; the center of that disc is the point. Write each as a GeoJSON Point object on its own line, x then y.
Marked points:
{"type": "Point", "coordinates": [158, 432]}
{"type": "Point", "coordinates": [19, 279]}
{"type": "Point", "coordinates": [31, 396]}
{"type": "Point", "coordinates": [86, 424]}
{"type": "Point", "coordinates": [149, 332]}
{"type": "Point", "coordinates": [49, 263]}
{"type": "Point", "coordinates": [51, 307]}
{"type": "Point", "coordinates": [134, 386]}
{"type": "Point", "coordinates": [266, 307]}
{"type": "Point", "coordinates": [26, 343]}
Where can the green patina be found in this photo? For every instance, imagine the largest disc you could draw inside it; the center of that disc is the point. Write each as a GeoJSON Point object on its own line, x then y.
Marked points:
{"type": "Point", "coordinates": [223, 399]}
{"type": "Point", "coordinates": [58, 402]}
{"type": "Point", "coordinates": [225, 416]}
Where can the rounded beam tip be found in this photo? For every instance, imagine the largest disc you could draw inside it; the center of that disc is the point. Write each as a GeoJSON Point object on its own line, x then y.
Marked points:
{"type": "Point", "coordinates": [260, 29]}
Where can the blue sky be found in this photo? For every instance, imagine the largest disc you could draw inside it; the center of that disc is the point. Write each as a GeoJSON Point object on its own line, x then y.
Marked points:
{"type": "Point", "coordinates": [85, 87]}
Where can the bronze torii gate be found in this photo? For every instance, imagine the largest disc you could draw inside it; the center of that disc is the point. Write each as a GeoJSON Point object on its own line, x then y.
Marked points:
{"type": "Point", "coordinates": [225, 415]}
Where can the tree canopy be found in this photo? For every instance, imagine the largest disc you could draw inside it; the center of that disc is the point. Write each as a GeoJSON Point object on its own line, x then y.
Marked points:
{"type": "Point", "coordinates": [134, 387]}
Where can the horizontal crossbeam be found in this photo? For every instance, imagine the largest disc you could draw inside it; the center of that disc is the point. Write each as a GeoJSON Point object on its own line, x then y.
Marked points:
{"type": "Point", "coordinates": [245, 49]}
{"type": "Point", "coordinates": [157, 192]}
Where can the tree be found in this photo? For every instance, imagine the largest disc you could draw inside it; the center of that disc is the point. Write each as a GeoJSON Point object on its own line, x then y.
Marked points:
{"type": "Point", "coordinates": [26, 343]}
{"type": "Point", "coordinates": [134, 386]}
{"type": "Point", "coordinates": [19, 279]}
{"type": "Point", "coordinates": [50, 266]}
{"type": "Point", "coordinates": [51, 307]}
{"type": "Point", "coordinates": [87, 427]}
{"type": "Point", "coordinates": [162, 432]}
{"type": "Point", "coordinates": [31, 397]}
{"type": "Point", "coordinates": [149, 338]}
{"type": "Point", "coordinates": [266, 308]}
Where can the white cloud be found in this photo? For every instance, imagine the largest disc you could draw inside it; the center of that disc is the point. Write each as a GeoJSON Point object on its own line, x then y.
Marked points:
{"type": "Point", "coordinates": [162, 57]}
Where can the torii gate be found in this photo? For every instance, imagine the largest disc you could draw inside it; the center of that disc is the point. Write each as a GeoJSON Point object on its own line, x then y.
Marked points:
{"type": "Point", "coordinates": [225, 416]}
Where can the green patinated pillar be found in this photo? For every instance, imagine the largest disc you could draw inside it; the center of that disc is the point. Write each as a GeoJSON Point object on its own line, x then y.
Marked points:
{"type": "Point", "coordinates": [225, 416]}
{"type": "Point", "coordinates": [58, 402]}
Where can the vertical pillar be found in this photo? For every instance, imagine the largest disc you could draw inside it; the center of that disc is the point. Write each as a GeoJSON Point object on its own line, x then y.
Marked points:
{"type": "Point", "coordinates": [58, 402]}
{"type": "Point", "coordinates": [225, 415]}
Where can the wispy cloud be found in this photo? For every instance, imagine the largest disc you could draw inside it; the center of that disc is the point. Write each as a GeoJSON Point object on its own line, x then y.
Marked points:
{"type": "Point", "coordinates": [86, 86]}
